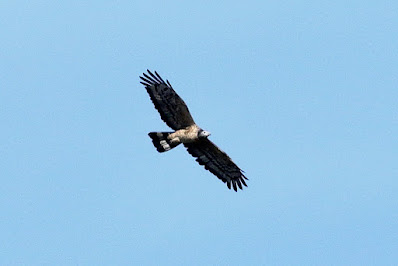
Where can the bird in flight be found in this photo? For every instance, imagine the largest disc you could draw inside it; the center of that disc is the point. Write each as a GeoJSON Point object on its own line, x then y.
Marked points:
{"type": "Point", "coordinates": [174, 112]}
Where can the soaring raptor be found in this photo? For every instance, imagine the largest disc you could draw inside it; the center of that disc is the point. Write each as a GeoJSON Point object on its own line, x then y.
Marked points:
{"type": "Point", "coordinates": [174, 112]}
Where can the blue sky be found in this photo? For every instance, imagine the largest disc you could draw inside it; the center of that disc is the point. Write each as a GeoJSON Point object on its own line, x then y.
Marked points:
{"type": "Point", "coordinates": [301, 94]}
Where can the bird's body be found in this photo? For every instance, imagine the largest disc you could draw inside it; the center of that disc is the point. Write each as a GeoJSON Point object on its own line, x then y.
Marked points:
{"type": "Point", "coordinates": [174, 112]}
{"type": "Point", "coordinates": [185, 135]}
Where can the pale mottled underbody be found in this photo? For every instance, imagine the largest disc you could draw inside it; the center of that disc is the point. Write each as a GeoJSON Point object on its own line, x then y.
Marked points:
{"type": "Point", "coordinates": [186, 135]}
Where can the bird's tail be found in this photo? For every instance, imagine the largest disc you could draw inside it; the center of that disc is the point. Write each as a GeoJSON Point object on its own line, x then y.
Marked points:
{"type": "Point", "coordinates": [161, 142]}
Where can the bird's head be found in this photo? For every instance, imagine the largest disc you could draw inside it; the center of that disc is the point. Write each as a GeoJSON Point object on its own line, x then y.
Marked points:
{"type": "Point", "coordinates": [203, 133]}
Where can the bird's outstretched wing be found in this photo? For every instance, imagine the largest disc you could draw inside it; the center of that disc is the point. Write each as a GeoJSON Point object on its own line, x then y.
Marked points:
{"type": "Point", "coordinates": [217, 162]}
{"type": "Point", "coordinates": [172, 109]}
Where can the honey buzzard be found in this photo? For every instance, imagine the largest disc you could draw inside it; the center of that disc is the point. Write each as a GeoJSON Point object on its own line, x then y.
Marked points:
{"type": "Point", "coordinates": [174, 112]}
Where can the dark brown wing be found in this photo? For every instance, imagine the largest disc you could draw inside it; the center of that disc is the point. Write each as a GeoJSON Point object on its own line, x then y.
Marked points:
{"type": "Point", "coordinates": [217, 162]}
{"type": "Point", "coordinates": [172, 109]}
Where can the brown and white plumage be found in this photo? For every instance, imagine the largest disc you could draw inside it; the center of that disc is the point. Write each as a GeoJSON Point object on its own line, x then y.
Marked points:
{"type": "Point", "coordinates": [174, 112]}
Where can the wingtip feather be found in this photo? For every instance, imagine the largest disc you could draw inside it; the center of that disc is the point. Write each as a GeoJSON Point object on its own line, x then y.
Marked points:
{"type": "Point", "coordinates": [159, 77]}
{"type": "Point", "coordinates": [243, 182]}
{"type": "Point", "coordinates": [229, 185]}
{"type": "Point", "coordinates": [234, 185]}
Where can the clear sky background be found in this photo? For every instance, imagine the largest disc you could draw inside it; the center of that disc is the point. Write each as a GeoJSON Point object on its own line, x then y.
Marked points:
{"type": "Point", "coordinates": [302, 95]}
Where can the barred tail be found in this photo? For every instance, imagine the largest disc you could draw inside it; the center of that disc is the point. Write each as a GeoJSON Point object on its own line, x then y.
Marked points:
{"type": "Point", "coordinates": [161, 142]}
